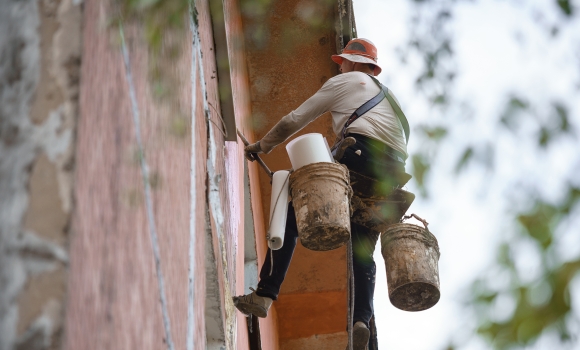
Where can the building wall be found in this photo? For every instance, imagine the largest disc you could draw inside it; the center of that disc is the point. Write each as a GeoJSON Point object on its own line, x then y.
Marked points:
{"type": "Point", "coordinates": [226, 178]}
{"type": "Point", "coordinates": [224, 199]}
{"type": "Point", "coordinates": [40, 54]}
{"type": "Point", "coordinates": [196, 184]}
{"type": "Point", "coordinates": [238, 58]}
{"type": "Point", "coordinates": [110, 240]}
{"type": "Point", "coordinates": [115, 299]}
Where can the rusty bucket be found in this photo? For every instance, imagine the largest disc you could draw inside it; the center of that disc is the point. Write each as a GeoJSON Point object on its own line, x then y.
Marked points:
{"type": "Point", "coordinates": [411, 256]}
{"type": "Point", "coordinates": [321, 197]}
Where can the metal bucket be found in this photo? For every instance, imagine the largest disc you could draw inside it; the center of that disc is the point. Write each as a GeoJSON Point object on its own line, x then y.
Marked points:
{"type": "Point", "coordinates": [411, 256]}
{"type": "Point", "coordinates": [321, 197]}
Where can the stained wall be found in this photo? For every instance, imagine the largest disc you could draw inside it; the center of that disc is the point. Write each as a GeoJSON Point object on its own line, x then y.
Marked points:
{"type": "Point", "coordinates": [40, 56]}
{"type": "Point", "coordinates": [118, 213]}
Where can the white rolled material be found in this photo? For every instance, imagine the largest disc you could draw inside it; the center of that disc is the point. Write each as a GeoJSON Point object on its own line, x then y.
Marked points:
{"type": "Point", "coordinates": [328, 150]}
{"type": "Point", "coordinates": [308, 149]}
{"type": "Point", "coordinates": [278, 209]}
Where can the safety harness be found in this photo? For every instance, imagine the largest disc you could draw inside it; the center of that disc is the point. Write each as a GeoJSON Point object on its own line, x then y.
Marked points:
{"type": "Point", "coordinates": [370, 104]}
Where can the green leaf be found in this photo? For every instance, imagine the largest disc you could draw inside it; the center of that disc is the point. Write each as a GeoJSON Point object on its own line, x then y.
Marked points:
{"type": "Point", "coordinates": [435, 133]}
{"type": "Point", "coordinates": [565, 6]}
{"type": "Point", "coordinates": [512, 110]}
{"type": "Point", "coordinates": [518, 103]}
{"type": "Point", "coordinates": [562, 115]}
{"type": "Point", "coordinates": [439, 99]}
{"type": "Point", "coordinates": [487, 298]}
{"type": "Point", "coordinates": [464, 159]}
{"type": "Point", "coordinates": [538, 224]}
{"type": "Point", "coordinates": [544, 137]}
{"type": "Point", "coordinates": [421, 166]}
{"type": "Point", "coordinates": [504, 256]}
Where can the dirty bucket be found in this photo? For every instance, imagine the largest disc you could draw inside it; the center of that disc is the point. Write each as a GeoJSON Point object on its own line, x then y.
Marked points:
{"type": "Point", "coordinates": [411, 256]}
{"type": "Point", "coordinates": [321, 198]}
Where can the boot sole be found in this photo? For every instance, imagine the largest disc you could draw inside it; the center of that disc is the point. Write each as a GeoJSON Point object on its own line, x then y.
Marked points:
{"type": "Point", "coordinates": [255, 310]}
{"type": "Point", "coordinates": [360, 338]}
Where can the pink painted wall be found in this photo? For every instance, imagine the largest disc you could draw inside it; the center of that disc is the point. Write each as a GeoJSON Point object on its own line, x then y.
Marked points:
{"type": "Point", "coordinates": [113, 296]}
{"type": "Point", "coordinates": [113, 293]}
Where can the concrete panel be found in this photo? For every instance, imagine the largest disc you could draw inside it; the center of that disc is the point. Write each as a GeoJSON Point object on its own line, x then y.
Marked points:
{"type": "Point", "coordinates": [304, 314]}
{"type": "Point", "coordinates": [312, 271]}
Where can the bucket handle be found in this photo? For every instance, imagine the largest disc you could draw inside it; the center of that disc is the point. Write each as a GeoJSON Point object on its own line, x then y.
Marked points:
{"type": "Point", "coordinates": [430, 238]}
{"type": "Point", "coordinates": [425, 223]}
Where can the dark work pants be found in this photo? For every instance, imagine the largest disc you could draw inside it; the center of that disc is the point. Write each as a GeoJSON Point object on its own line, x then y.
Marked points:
{"type": "Point", "coordinates": [374, 163]}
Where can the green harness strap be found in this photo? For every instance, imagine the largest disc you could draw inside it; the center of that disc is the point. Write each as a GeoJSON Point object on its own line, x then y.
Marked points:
{"type": "Point", "coordinates": [396, 108]}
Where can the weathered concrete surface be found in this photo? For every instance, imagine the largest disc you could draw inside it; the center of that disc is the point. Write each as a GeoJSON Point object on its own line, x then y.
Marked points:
{"type": "Point", "coordinates": [225, 195]}
{"type": "Point", "coordinates": [39, 60]}
{"type": "Point", "coordinates": [313, 272]}
{"type": "Point", "coordinates": [234, 155]}
{"type": "Point", "coordinates": [311, 313]}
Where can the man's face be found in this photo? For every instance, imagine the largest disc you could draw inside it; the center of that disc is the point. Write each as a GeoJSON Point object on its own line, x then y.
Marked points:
{"type": "Point", "coordinates": [346, 66]}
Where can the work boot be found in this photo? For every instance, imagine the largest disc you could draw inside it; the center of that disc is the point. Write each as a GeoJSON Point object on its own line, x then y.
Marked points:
{"type": "Point", "coordinates": [253, 304]}
{"type": "Point", "coordinates": [360, 336]}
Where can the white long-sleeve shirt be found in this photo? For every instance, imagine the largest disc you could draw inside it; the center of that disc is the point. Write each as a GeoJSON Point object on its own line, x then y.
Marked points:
{"type": "Point", "coordinates": [341, 95]}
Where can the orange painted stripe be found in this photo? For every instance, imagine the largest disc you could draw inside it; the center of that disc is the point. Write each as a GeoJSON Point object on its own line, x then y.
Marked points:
{"type": "Point", "coordinates": [305, 314]}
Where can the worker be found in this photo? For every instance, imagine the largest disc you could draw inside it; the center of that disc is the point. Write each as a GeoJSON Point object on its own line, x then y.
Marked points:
{"type": "Point", "coordinates": [379, 152]}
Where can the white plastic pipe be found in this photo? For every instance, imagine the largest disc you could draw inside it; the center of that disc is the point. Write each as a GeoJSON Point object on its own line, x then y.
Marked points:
{"type": "Point", "coordinates": [278, 209]}
{"type": "Point", "coordinates": [308, 149]}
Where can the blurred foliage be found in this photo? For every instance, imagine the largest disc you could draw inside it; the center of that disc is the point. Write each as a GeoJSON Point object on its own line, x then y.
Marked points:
{"type": "Point", "coordinates": [302, 28]}
{"type": "Point", "coordinates": [542, 304]}
{"type": "Point", "coordinates": [162, 27]}
{"type": "Point", "coordinates": [163, 24]}
{"type": "Point", "coordinates": [156, 16]}
{"type": "Point", "coordinates": [514, 314]}
{"type": "Point", "coordinates": [565, 6]}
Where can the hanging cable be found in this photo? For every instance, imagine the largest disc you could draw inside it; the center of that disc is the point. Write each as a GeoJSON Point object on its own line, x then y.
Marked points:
{"type": "Point", "coordinates": [147, 189]}
{"type": "Point", "coordinates": [223, 131]}
{"type": "Point", "coordinates": [350, 292]}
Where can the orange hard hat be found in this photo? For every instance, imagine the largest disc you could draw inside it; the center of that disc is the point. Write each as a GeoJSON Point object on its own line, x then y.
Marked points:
{"type": "Point", "coordinates": [361, 51]}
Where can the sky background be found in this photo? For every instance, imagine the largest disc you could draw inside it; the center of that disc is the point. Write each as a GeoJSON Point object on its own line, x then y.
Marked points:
{"type": "Point", "coordinates": [500, 47]}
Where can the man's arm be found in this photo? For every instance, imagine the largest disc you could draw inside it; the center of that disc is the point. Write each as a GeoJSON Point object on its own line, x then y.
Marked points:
{"type": "Point", "coordinates": [312, 108]}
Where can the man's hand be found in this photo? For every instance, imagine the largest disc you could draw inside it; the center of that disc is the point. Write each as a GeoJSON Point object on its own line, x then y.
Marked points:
{"type": "Point", "coordinates": [250, 149]}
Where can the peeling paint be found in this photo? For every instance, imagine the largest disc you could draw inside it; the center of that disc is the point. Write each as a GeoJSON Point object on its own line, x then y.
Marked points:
{"type": "Point", "coordinates": [191, 324]}
{"type": "Point", "coordinates": [213, 312]}
{"type": "Point", "coordinates": [215, 206]}
{"type": "Point", "coordinates": [39, 333]}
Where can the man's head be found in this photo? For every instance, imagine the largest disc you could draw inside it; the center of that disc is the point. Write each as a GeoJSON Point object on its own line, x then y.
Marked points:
{"type": "Point", "coordinates": [360, 54]}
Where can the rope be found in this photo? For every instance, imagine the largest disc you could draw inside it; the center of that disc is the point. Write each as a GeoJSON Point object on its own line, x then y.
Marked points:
{"type": "Point", "coordinates": [350, 292]}
{"type": "Point", "coordinates": [271, 262]}
{"type": "Point", "coordinates": [147, 188]}
{"type": "Point", "coordinates": [221, 119]}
